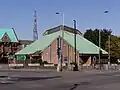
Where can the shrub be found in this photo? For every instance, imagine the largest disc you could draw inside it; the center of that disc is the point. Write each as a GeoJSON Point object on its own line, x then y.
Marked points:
{"type": "Point", "coordinates": [35, 61]}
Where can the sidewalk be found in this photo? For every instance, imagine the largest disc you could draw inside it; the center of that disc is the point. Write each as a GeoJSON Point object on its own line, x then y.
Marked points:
{"type": "Point", "coordinates": [92, 71]}
{"type": "Point", "coordinates": [100, 71]}
{"type": "Point", "coordinates": [26, 69]}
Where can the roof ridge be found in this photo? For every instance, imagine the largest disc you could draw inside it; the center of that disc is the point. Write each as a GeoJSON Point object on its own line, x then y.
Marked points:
{"type": "Point", "coordinates": [57, 28]}
{"type": "Point", "coordinates": [2, 35]}
{"type": "Point", "coordinates": [10, 33]}
{"type": "Point", "coordinates": [15, 34]}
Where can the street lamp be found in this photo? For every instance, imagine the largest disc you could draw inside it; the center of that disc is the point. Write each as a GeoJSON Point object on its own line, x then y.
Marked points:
{"type": "Point", "coordinates": [106, 12]}
{"type": "Point", "coordinates": [100, 45]}
{"type": "Point", "coordinates": [60, 41]}
{"type": "Point", "coordinates": [76, 66]}
{"type": "Point", "coordinates": [62, 14]}
{"type": "Point", "coordinates": [99, 49]}
{"type": "Point", "coordinates": [100, 52]}
{"type": "Point", "coordinates": [109, 50]}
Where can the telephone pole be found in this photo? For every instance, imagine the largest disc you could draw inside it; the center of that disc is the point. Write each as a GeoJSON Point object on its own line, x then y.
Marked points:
{"type": "Point", "coordinates": [76, 66]}
{"type": "Point", "coordinates": [60, 43]}
{"type": "Point", "coordinates": [106, 12]}
{"type": "Point", "coordinates": [35, 33]}
{"type": "Point", "coordinates": [99, 49]}
{"type": "Point", "coordinates": [108, 51]}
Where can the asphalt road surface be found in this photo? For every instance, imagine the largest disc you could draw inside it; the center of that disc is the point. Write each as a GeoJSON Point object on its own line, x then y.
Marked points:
{"type": "Point", "coordinates": [59, 81]}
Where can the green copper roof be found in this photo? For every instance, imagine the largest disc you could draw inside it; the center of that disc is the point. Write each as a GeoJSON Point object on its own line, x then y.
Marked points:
{"type": "Point", "coordinates": [10, 32]}
{"type": "Point", "coordinates": [83, 45]}
{"type": "Point", "coordinates": [39, 44]}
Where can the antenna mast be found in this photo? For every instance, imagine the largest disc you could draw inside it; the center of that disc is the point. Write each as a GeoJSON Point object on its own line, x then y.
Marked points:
{"type": "Point", "coordinates": [35, 33]}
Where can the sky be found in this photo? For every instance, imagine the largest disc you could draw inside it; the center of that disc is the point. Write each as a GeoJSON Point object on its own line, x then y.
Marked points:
{"type": "Point", "coordinates": [19, 14]}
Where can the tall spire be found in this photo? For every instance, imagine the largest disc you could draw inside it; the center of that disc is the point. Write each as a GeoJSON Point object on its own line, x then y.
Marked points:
{"type": "Point", "coordinates": [35, 33]}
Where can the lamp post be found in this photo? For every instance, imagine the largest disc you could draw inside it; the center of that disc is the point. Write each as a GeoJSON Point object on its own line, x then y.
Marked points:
{"type": "Point", "coordinates": [106, 12]}
{"type": "Point", "coordinates": [108, 51]}
{"type": "Point", "coordinates": [99, 49]}
{"type": "Point", "coordinates": [60, 43]}
{"type": "Point", "coordinates": [62, 14]}
{"type": "Point", "coordinates": [100, 45]}
{"type": "Point", "coordinates": [76, 66]}
{"type": "Point", "coordinates": [62, 28]}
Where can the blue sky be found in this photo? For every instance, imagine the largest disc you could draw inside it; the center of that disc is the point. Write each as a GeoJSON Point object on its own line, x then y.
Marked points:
{"type": "Point", "coordinates": [18, 14]}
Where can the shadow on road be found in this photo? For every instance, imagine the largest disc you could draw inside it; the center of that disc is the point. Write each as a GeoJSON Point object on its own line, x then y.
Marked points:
{"type": "Point", "coordinates": [12, 80]}
{"type": "Point", "coordinates": [36, 78]}
{"type": "Point", "coordinates": [76, 85]}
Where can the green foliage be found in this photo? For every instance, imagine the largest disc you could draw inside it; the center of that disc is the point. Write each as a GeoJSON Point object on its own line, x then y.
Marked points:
{"type": "Point", "coordinates": [93, 36]}
{"type": "Point", "coordinates": [114, 46]}
{"type": "Point", "coordinates": [35, 61]}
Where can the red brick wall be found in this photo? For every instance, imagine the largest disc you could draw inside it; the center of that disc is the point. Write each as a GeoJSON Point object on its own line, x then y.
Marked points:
{"type": "Point", "coordinates": [68, 52]}
{"type": "Point", "coordinates": [20, 47]}
{"type": "Point", "coordinates": [51, 57]}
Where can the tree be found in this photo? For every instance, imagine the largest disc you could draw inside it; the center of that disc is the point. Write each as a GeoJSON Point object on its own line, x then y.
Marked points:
{"type": "Point", "coordinates": [114, 46]}
{"type": "Point", "coordinates": [93, 36]}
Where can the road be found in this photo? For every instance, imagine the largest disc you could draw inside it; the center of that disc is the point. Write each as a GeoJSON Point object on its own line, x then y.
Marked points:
{"type": "Point", "coordinates": [60, 81]}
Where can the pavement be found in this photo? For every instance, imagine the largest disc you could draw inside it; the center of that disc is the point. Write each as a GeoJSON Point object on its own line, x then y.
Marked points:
{"type": "Point", "coordinates": [26, 69]}
{"type": "Point", "coordinates": [66, 80]}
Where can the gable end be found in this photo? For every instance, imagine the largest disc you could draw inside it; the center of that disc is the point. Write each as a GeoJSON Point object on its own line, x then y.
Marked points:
{"type": "Point", "coordinates": [5, 38]}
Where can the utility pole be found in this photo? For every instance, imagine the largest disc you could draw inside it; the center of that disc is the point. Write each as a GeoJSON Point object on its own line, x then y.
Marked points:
{"type": "Point", "coordinates": [35, 33]}
{"type": "Point", "coordinates": [59, 66]}
{"type": "Point", "coordinates": [106, 12]}
{"type": "Point", "coordinates": [99, 49]}
{"type": "Point", "coordinates": [108, 51]}
{"type": "Point", "coordinates": [60, 43]}
{"type": "Point", "coordinates": [76, 66]}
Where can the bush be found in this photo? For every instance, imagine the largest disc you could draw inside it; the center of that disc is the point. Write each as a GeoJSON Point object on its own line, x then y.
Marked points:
{"type": "Point", "coordinates": [45, 62]}
{"type": "Point", "coordinates": [39, 61]}
{"type": "Point", "coordinates": [35, 61]}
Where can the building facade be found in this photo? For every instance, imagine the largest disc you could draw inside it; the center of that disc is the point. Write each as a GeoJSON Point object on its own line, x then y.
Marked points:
{"type": "Point", "coordinates": [47, 47]}
{"type": "Point", "coordinates": [50, 53]}
{"type": "Point", "coordinates": [9, 44]}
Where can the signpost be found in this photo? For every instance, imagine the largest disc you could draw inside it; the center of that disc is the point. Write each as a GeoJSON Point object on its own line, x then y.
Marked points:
{"type": "Point", "coordinates": [65, 59]}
